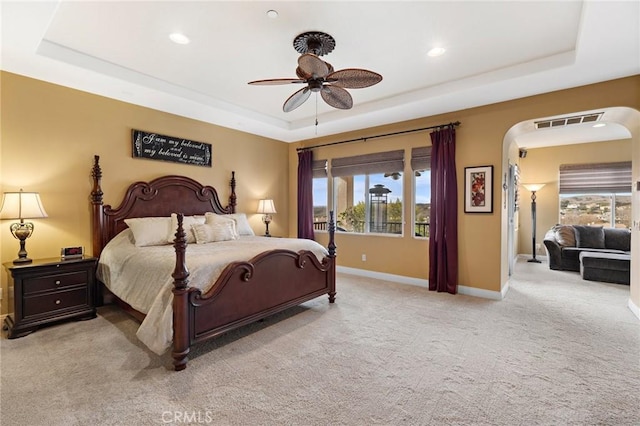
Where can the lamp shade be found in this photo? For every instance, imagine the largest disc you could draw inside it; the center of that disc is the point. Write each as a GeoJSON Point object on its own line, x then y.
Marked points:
{"type": "Point", "coordinates": [533, 187]}
{"type": "Point", "coordinates": [22, 205]}
{"type": "Point", "coordinates": [266, 207]}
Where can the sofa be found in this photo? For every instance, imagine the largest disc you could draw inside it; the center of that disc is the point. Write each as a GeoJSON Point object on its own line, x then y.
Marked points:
{"type": "Point", "coordinates": [599, 254]}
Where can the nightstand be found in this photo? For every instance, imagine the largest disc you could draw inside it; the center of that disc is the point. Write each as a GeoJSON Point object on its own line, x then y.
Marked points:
{"type": "Point", "coordinates": [50, 290]}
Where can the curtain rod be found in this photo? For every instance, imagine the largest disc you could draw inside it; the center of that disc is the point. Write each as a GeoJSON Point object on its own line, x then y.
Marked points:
{"type": "Point", "coordinates": [457, 123]}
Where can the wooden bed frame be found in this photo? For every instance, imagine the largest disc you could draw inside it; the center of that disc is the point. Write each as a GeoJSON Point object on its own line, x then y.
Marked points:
{"type": "Point", "coordinates": [245, 292]}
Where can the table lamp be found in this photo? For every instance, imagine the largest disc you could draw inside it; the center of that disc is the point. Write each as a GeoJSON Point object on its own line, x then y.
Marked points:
{"type": "Point", "coordinates": [266, 208]}
{"type": "Point", "coordinates": [22, 205]}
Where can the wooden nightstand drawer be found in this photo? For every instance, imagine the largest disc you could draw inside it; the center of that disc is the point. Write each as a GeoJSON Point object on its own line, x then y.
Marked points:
{"type": "Point", "coordinates": [49, 303]}
{"type": "Point", "coordinates": [54, 282]}
{"type": "Point", "coordinates": [47, 291]}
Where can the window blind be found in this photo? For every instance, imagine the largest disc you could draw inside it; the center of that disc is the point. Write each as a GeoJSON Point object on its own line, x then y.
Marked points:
{"type": "Point", "coordinates": [380, 162]}
{"type": "Point", "coordinates": [319, 168]}
{"type": "Point", "coordinates": [595, 178]}
{"type": "Point", "coordinates": [421, 158]}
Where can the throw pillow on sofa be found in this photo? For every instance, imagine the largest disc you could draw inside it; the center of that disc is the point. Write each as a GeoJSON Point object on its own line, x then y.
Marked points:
{"type": "Point", "coordinates": [565, 235]}
{"type": "Point", "coordinates": [589, 236]}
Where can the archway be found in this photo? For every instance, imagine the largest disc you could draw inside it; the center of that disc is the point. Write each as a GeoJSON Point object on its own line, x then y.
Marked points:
{"type": "Point", "coordinates": [624, 123]}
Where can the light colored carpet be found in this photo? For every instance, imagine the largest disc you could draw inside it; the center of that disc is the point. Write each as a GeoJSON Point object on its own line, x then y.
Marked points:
{"type": "Point", "coordinates": [557, 351]}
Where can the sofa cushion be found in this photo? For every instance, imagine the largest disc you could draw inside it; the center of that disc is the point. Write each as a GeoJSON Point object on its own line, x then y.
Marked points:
{"type": "Point", "coordinates": [565, 235]}
{"type": "Point", "coordinates": [589, 236]}
{"type": "Point", "coordinates": [617, 238]}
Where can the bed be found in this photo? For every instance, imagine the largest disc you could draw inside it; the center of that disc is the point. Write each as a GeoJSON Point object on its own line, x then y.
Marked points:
{"type": "Point", "coordinates": [282, 274]}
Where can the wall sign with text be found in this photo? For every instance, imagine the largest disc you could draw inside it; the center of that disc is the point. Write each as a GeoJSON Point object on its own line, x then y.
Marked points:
{"type": "Point", "coordinates": [170, 148]}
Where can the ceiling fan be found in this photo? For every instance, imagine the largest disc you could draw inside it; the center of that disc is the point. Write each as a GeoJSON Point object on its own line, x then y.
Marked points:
{"type": "Point", "coordinates": [319, 76]}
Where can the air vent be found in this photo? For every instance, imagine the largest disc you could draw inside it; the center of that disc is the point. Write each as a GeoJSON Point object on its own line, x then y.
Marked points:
{"type": "Point", "coordinates": [561, 122]}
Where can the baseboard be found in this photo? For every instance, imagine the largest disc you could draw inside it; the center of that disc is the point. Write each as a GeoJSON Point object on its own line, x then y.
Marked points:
{"type": "Point", "coordinates": [384, 276]}
{"type": "Point", "coordinates": [401, 279]}
{"type": "Point", "coordinates": [634, 308]}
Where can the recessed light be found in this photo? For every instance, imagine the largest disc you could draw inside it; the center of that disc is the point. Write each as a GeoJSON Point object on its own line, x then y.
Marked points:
{"type": "Point", "coordinates": [273, 14]}
{"type": "Point", "coordinates": [600, 125]}
{"type": "Point", "coordinates": [436, 51]}
{"type": "Point", "coordinates": [179, 38]}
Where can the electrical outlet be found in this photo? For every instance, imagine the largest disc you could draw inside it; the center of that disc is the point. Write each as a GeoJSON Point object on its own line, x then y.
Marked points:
{"type": "Point", "coordinates": [538, 247]}
{"type": "Point", "coordinates": [364, 257]}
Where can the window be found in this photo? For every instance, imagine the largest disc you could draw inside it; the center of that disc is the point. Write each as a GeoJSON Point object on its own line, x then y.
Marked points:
{"type": "Point", "coordinates": [368, 192]}
{"type": "Point", "coordinates": [608, 210]}
{"type": "Point", "coordinates": [421, 165]}
{"type": "Point", "coordinates": [596, 194]}
{"type": "Point", "coordinates": [320, 191]}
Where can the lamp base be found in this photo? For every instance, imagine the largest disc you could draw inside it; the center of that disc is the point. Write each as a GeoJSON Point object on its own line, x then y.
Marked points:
{"type": "Point", "coordinates": [534, 261]}
{"type": "Point", "coordinates": [21, 260]}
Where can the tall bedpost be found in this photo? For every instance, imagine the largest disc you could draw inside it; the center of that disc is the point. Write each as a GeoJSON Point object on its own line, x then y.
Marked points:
{"type": "Point", "coordinates": [232, 197]}
{"type": "Point", "coordinates": [331, 247]}
{"type": "Point", "coordinates": [96, 204]}
{"type": "Point", "coordinates": [181, 335]}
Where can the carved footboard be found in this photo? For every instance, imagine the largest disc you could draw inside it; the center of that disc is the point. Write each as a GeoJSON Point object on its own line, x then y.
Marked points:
{"type": "Point", "coordinates": [245, 292]}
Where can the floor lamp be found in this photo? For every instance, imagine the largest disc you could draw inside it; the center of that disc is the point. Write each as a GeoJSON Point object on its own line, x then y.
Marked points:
{"type": "Point", "coordinates": [533, 187]}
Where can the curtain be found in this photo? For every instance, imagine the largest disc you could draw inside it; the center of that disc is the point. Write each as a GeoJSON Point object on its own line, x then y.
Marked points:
{"type": "Point", "coordinates": [443, 227]}
{"type": "Point", "coordinates": [305, 194]}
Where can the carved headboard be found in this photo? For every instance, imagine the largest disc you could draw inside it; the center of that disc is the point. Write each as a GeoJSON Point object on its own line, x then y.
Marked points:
{"type": "Point", "coordinates": [159, 197]}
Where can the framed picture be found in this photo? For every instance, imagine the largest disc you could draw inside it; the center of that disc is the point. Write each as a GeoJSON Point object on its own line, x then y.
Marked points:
{"type": "Point", "coordinates": [478, 189]}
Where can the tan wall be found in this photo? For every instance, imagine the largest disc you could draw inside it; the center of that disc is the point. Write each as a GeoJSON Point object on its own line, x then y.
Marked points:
{"type": "Point", "coordinates": [480, 141]}
{"type": "Point", "coordinates": [50, 134]}
{"type": "Point", "coordinates": [541, 166]}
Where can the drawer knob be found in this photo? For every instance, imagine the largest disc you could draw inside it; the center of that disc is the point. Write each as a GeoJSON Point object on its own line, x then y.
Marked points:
{"type": "Point", "coordinates": [57, 282]}
{"type": "Point", "coordinates": [58, 302]}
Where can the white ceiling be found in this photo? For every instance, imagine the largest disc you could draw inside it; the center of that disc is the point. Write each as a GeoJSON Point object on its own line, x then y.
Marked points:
{"type": "Point", "coordinates": [496, 51]}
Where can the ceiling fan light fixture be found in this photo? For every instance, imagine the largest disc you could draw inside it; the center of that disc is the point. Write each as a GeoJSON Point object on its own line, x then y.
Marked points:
{"type": "Point", "coordinates": [319, 76]}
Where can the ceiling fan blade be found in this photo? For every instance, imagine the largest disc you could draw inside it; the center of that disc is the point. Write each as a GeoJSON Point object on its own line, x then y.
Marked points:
{"type": "Point", "coordinates": [313, 66]}
{"type": "Point", "coordinates": [297, 99]}
{"type": "Point", "coordinates": [276, 81]}
{"type": "Point", "coordinates": [337, 97]}
{"type": "Point", "coordinates": [303, 75]}
{"type": "Point", "coordinates": [354, 78]}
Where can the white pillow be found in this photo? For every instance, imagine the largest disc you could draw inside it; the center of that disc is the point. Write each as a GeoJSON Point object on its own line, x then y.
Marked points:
{"type": "Point", "coordinates": [149, 231]}
{"type": "Point", "coordinates": [241, 224]}
{"type": "Point", "coordinates": [187, 221]}
{"type": "Point", "coordinates": [214, 232]}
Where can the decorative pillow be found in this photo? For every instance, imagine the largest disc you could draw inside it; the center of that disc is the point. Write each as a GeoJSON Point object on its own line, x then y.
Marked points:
{"type": "Point", "coordinates": [214, 232]}
{"type": "Point", "coordinates": [187, 221]}
{"type": "Point", "coordinates": [589, 236]}
{"type": "Point", "coordinates": [149, 231]}
{"type": "Point", "coordinates": [240, 219]}
{"type": "Point", "coordinates": [242, 224]}
{"type": "Point", "coordinates": [565, 235]}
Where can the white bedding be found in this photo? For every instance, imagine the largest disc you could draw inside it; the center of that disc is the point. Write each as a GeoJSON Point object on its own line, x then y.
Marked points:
{"type": "Point", "coordinates": [141, 276]}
